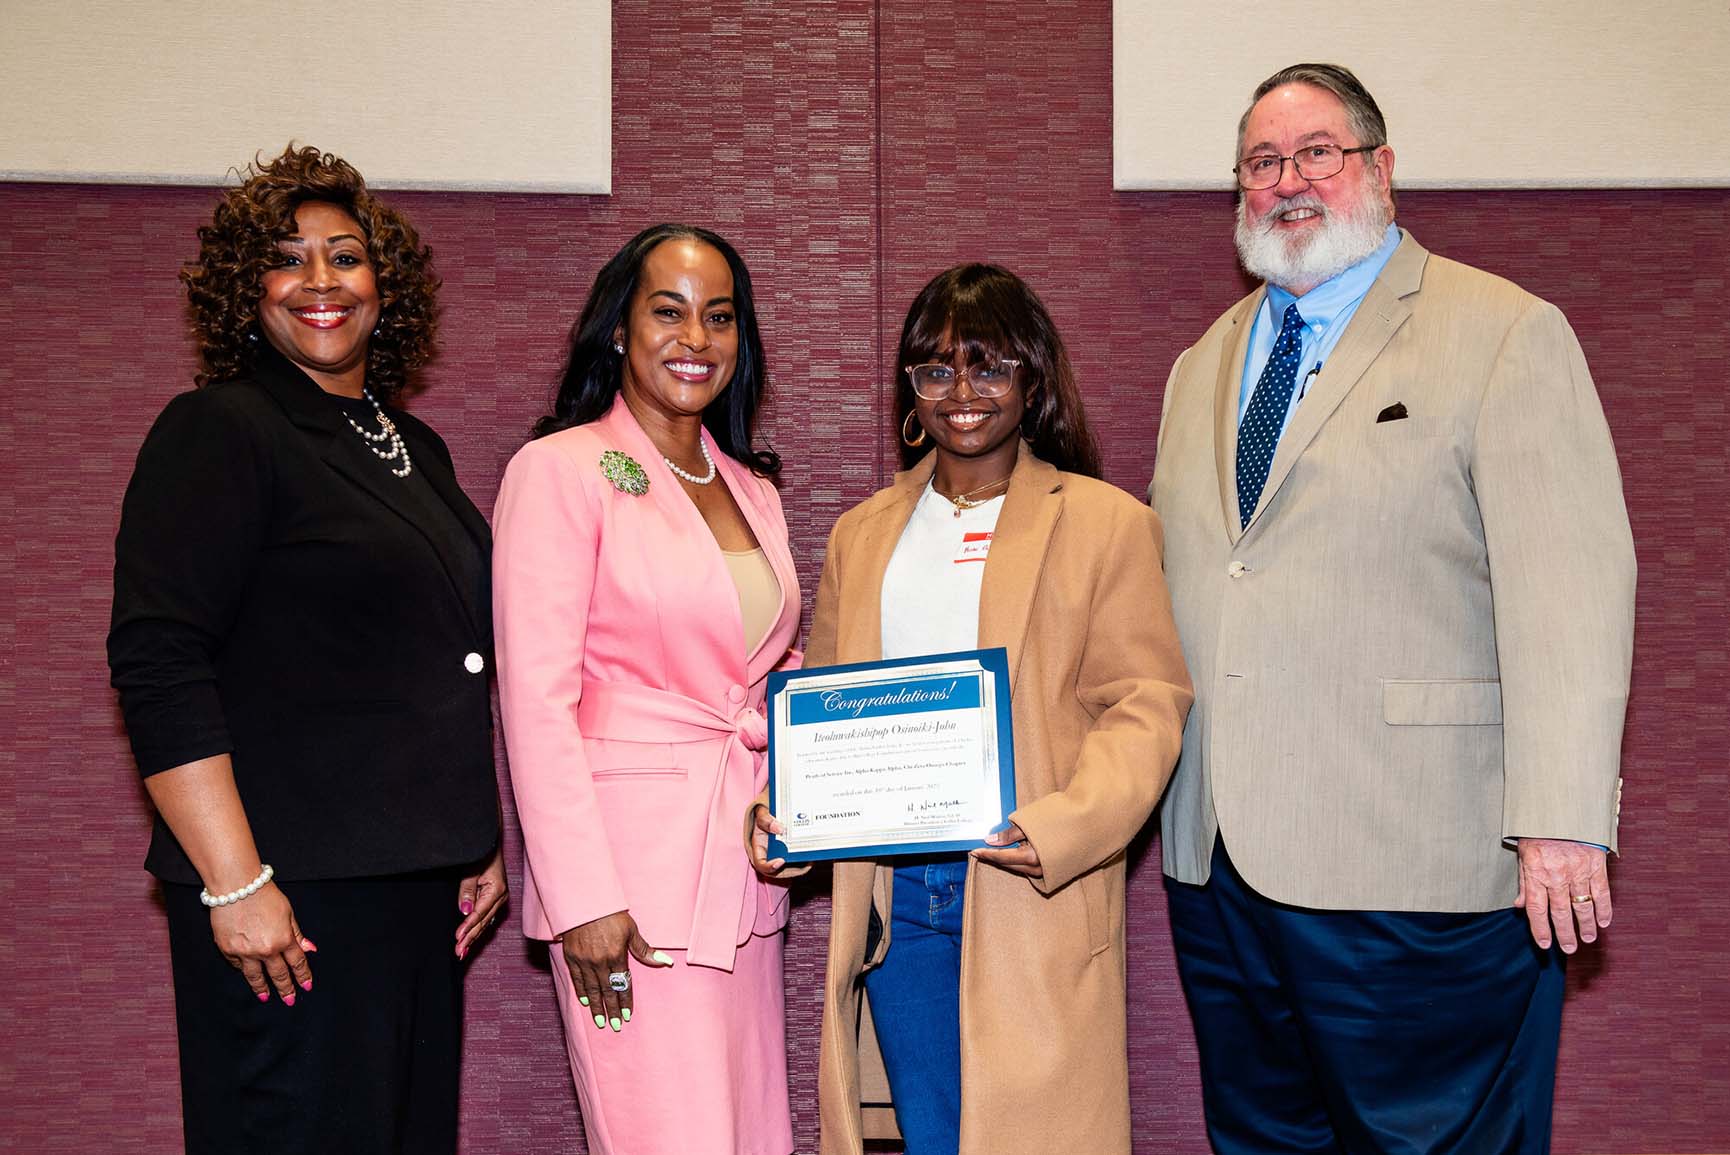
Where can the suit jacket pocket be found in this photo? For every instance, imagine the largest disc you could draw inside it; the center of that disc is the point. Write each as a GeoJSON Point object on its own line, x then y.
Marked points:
{"type": "Point", "coordinates": [619, 758]}
{"type": "Point", "coordinates": [1442, 702]}
{"type": "Point", "coordinates": [1411, 428]}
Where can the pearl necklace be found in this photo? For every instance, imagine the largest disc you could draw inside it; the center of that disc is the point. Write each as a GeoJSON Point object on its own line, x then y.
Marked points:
{"type": "Point", "coordinates": [691, 477]}
{"type": "Point", "coordinates": [397, 448]}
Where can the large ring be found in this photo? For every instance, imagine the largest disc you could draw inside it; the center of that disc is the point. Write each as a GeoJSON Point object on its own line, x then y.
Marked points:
{"type": "Point", "coordinates": [620, 981]}
{"type": "Point", "coordinates": [1582, 898]}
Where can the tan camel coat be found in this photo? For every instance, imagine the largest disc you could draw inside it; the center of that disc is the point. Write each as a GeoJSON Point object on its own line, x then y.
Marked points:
{"type": "Point", "coordinates": [1420, 645]}
{"type": "Point", "coordinates": [1073, 589]}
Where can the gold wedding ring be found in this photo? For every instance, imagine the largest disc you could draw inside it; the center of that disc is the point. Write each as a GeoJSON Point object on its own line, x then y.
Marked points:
{"type": "Point", "coordinates": [1582, 898]}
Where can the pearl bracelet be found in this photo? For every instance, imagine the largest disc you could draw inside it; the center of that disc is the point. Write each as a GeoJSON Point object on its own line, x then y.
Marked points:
{"type": "Point", "coordinates": [213, 900]}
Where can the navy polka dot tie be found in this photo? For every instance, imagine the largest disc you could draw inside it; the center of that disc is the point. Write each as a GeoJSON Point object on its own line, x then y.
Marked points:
{"type": "Point", "coordinates": [1258, 434]}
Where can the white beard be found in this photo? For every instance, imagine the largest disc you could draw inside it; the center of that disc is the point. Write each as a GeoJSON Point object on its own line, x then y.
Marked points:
{"type": "Point", "coordinates": [1303, 262]}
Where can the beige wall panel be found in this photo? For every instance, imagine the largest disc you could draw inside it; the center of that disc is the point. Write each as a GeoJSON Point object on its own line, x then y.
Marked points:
{"type": "Point", "coordinates": [505, 95]}
{"type": "Point", "coordinates": [1477, 93]}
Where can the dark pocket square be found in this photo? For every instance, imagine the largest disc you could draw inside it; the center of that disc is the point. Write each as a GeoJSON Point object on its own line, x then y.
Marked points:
{"type": "Point", "coordinates": [1394, 412]}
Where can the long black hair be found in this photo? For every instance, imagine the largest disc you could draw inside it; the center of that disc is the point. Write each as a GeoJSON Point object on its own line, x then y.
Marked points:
{"type": "Point", "coordinates": [593, 368]}
{"type": "Point", "coordinates": [987, 312]}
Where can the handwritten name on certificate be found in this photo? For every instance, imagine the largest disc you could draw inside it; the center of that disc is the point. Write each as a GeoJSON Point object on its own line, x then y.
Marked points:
{"type": "Point", "coordinates": [887, 758]}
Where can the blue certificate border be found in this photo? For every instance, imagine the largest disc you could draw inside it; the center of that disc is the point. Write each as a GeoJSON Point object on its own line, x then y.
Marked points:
{"type": "Point", "coordinates": [994, 662]}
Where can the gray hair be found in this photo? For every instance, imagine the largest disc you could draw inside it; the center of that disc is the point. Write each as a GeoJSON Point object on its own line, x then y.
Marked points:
{"type": "Point", "coordinates": [1362, 114]}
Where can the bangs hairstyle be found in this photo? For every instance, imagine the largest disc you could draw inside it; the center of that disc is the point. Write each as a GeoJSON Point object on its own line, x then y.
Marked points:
{"type": "Point", "coordinates": [241, 244]}
{"type": "Point", "coordinates": [594, 370]}
{"type": "Point", "coordinates": [987, 313]}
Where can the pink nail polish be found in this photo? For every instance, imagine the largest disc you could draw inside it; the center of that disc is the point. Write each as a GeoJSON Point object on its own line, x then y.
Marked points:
{"type": "Point", "coordinates": [307, 985]}
{"type": "Point", "coordinates": [288, 999]}
{"type": "Point", "coordinates": [466, 906]}
{"type": "Point", "coordinates": [264, 996]}
{"type": "Point", "coordinates": [307, 944]}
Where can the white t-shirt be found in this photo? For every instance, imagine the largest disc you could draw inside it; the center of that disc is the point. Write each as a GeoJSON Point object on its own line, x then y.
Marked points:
{"type": "Point", "coordinates": [931, 588]}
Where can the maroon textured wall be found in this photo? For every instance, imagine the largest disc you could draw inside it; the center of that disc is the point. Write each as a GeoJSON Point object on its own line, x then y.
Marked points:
{"type": "Point", "coordinates": [851, 150]}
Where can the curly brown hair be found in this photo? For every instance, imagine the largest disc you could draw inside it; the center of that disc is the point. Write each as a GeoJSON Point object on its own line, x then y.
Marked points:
{"type": "Point", "coordinates": [241, 243]}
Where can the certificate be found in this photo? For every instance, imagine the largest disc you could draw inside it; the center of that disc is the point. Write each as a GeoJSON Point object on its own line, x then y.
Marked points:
{"type": "Point", "coordinates": [912, 756]}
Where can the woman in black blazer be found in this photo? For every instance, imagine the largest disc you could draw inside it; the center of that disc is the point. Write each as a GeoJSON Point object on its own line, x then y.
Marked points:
{"type": "Point", "coordinates": [301, 641]}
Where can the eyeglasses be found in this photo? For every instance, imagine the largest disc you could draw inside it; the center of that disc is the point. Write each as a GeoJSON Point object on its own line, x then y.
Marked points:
{"type": "Point", "coordinates": [1314, 162]}
{"type": "Point", "coordinates": [936, 380]}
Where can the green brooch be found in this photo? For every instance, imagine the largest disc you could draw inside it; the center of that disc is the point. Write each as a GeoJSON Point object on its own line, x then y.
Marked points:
{"type": "Point", "coordinates": [623, 471]}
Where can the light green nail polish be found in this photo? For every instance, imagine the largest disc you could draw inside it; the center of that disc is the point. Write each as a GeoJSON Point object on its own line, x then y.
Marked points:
{"type": "Point", "coordinates": [615, 1024]}
{"type": "Point", "coordinates": [599, 1021]}
{"type": "Point", "coordinates": [584, 999]}
{"type": "Point", "coordinates": [663, 958]}
{"type": "Point", "coordinates": [626, 1014]}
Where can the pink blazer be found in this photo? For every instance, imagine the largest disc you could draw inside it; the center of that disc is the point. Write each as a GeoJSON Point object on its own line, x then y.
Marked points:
{"type": "Point", "coordinates": [632, 712]}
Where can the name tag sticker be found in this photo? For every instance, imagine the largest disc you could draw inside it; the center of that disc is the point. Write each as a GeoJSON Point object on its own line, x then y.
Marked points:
{"type": "Point", "coordinates": [974, 547]}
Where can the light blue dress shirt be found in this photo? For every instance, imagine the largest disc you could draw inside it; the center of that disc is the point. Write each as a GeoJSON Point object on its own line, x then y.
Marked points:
{"type": "Point", "coordinates": [1326, 309]}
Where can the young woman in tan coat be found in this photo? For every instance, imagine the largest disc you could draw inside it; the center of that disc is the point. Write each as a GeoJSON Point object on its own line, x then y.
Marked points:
{"type": "Point", "coordinates": [996, 980]}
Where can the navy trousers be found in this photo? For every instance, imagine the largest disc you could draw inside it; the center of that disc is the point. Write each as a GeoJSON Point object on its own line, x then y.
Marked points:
{"type": "Point", "coordinates": [1360, 1032]}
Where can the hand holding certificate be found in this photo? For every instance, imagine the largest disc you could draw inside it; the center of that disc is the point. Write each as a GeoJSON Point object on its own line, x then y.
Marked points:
{"type": "Point", "coordinates": [905, 757]}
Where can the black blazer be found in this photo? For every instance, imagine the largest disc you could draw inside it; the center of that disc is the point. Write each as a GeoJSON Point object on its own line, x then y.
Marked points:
{"type": "Point", "coordinates": [277, 597]}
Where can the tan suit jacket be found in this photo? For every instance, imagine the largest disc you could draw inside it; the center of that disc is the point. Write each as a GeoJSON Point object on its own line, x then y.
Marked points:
{"type": "Point", "coordinates": [1072, 590]}
{"type": "Point", "coordinates": [1420, 645]}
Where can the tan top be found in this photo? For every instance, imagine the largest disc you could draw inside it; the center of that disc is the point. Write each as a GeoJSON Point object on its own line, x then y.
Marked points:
{"type": "Point", "coordinates": [759, 592]}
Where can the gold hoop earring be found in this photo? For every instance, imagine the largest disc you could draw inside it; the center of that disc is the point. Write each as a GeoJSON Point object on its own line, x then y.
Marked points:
{"type": "Point", "coordinates": [906, 437]}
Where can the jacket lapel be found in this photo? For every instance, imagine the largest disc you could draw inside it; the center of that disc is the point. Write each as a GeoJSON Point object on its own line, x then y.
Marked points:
{"type": "Point", "coordinates": [1226, 391]}
{"type": "Point", "coordinates": [1380, 316]}
{"type": "Point", "coordinates": [723, 626]}
{"type": "Point", "coordinates": [308, 407]}
{"type": "Point", "coordinates": [860, 636]}
{"type": "Point", "coordinates": [444, 482]}
{"type": "Point", "coordinates": [431, 464]}
{"type": "Point", "coordinates": [1031, 509]}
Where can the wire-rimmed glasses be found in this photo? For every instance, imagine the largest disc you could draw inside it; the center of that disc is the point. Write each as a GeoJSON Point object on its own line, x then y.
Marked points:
{"type": "Point", "coordinates": [1312, 162]}
{"type": "Point", "coordinates": [936, 380]}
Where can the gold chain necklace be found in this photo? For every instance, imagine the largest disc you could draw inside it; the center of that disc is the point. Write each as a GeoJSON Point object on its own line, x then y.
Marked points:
{"type": "Point", "coordinates": [970, 499]}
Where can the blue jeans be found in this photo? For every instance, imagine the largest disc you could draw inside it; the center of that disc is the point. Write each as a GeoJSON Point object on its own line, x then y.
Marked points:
{"type": "Point", "coordinates": [916, 1004]}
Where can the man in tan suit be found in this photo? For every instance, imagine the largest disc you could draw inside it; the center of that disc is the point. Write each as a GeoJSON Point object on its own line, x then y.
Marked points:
{"type": "Point", "coordinates": [1404, 582]}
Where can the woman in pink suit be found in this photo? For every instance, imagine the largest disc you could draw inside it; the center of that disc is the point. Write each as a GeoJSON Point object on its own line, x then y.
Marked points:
{"type": "Point", "coordinates": [644, 590]}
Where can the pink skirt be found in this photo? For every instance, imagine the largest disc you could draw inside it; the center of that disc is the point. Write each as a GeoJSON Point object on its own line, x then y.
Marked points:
{"type": "Point", "coordinates": [701, 1068]}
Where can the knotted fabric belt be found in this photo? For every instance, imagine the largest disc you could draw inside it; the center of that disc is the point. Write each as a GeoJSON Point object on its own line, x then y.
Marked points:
{"type": "Point", "coordinates": [631, 712]}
